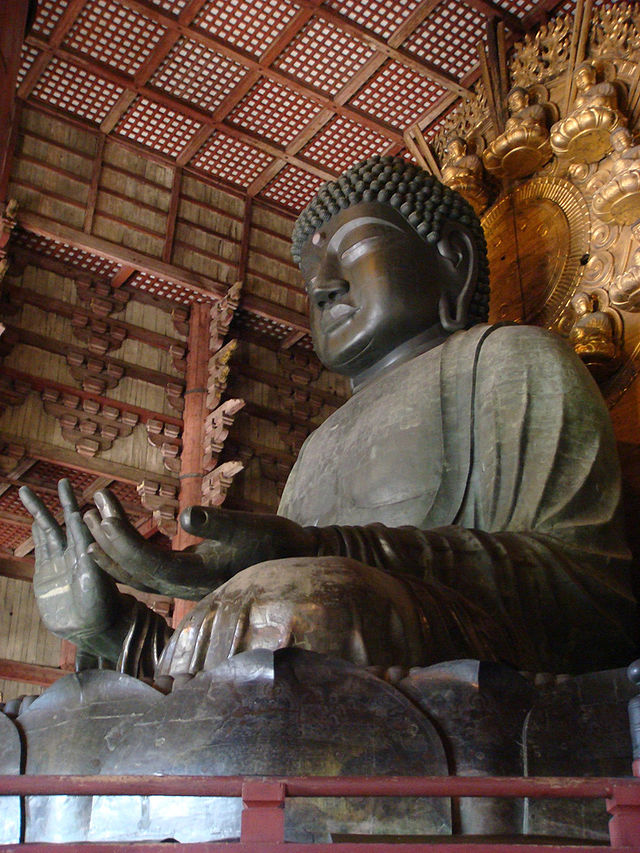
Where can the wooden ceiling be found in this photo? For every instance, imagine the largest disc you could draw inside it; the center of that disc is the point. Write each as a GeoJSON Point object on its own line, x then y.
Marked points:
{"type": "Point", "coordinates": [266, 97]}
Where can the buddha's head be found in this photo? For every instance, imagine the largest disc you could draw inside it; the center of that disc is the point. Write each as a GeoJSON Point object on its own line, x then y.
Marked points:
{"type": "Point", "coordinates": [456, 147]}
{"type": "Point", "coordinates": [393, 262]}
{"type": "Point", "coordinates": [517, 99]}
{"type": "Point", "coordinates": [585, 76]}
{"type": "Point", "coordinates": [621, 139]}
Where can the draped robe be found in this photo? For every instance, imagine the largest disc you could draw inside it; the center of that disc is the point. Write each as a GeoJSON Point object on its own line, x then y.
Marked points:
{"type": "Point", "coordinates": [483, 474]}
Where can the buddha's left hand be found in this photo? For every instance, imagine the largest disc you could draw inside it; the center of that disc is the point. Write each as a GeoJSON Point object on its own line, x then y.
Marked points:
{"type": "Point", "coordinates": [232, 542]}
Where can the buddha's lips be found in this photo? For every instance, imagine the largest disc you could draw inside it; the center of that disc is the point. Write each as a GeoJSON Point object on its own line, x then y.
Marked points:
{"type": "Point", "coordinates": [336, 316]}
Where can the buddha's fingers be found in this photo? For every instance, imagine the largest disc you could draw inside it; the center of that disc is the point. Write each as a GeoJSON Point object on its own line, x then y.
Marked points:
{"type": "Point", "coordinates": [45, 521]}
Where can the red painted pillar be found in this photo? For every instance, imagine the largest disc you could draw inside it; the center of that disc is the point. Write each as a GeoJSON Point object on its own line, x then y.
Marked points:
{"type": "Point", "coordinates": [624, 825]}
{"type": "Point", "coordinates": [195, 411]}
{"type": "Point", "coordinates": [13, 25]}
{"type": "Point", "coordinates": [262, 812]}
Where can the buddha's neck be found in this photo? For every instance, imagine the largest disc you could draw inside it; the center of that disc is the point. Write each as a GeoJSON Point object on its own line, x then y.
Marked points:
{"type": "Point", "coordinates": [430, 338]}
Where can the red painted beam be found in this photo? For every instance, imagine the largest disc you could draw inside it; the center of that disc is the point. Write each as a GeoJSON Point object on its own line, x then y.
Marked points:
{"type": "Point", "coordinates": [32, 673]}
{"type": "Point", "coordinates": [13, 23]}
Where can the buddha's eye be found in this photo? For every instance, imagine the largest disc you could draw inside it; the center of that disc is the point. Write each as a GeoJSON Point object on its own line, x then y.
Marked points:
{"type": "Point", "coordinates": [361, 247]}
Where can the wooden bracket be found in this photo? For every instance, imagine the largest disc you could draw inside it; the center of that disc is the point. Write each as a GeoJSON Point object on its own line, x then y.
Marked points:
{"type": "Point", "coordinates": [216, 430]}
{"type": "Point", "coordinates": [216, 483]}
{"type": "Point", "coordinates": [166, 437]}
{"type": "Point", "coordinates": [94, 374]}
{"type": "Point", "coordinates": [88, 425]}
{"type": "Point", "coordinates": [162, 501]}
{"type": "Point", "coordinates": [13, 392]}
{"type": "Point", "coordinates": [222, 315]}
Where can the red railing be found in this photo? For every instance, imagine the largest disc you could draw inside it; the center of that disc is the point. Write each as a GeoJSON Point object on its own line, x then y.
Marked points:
{"type": "Point", "coordinates": [263, 799]}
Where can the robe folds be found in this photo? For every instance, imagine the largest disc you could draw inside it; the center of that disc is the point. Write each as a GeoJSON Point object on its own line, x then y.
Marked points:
{"type": "Point", "coordinates": [483, 475]}
{"type": "Point", "coordinates": [483, 472]}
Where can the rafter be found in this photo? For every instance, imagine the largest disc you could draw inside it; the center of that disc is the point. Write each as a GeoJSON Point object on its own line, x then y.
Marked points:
{"type": "Point", "coordinates": [492, 10]}
{"type": "Point", "coordinates": [197, 284]}
{"type": "Point", "coordinates": [95, 183]}
{"type": "Point", "coordinates": [172, 216]}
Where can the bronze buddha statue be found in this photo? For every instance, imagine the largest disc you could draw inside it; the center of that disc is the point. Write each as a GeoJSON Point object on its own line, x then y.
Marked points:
{"type": "Point", "coordinates": [462, 505]}
{"type": "Point", "coordinates": [477, 468]}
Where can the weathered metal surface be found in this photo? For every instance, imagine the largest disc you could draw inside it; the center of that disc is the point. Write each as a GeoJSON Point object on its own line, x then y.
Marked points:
{"type": "Point", "coordinates": [288, 712]}
{"type": "Point", "coordinates": [480, 710]}
{"type": "Point", "coordinates": [10, 764]}
{"type": "Point", "coordinates": [69, 728]}
{"type": "Point", "coordinates": [578, 725]}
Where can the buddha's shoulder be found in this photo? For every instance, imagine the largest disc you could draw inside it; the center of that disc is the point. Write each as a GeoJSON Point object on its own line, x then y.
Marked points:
{"type": "Point", "coordinates": [522, 343]}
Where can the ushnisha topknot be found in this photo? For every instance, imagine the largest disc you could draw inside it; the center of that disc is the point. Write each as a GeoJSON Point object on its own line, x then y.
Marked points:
{"type": "Point", "coordinates": [418, 196]}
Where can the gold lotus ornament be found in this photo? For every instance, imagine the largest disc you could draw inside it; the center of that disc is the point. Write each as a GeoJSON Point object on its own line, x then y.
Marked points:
{"type": "Point", "coordinates": [618, 200]}
{"type": "Point", "coordinates": [585, 134]}
{"type": "Point", "coordinates": [524, 146]}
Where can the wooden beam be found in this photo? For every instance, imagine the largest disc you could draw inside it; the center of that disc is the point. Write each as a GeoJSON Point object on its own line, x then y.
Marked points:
{"type": "Point", "coordinates": [67, 458]}
{"type": "Point", "coordinates": [492, 10]}
{"type": "Point", "coordinates": [95, 183]}
{"type": "Point", "coordinates": [246, 236]}
{"type": "Point", "coordinates": [56, 37]}
{"type": "Point", "coordinates": [46, 227]}
{"type": "Point", "coordinates": [412, 22]}
{"type": "Point", "coordinates": [277, 313]}
{"type": "Point", "coordinates": [122, 276]}
{"type": "Point", "coordinates": [195, 412]}
{"type": "Point", "coordinates": [40, 383]}
{"type": "Point", "coordinates": [262, 66]}
{"type": "Point", "coordinates": [11, 479]}
{"type": "Point", "coordinates": [20, 295]}
{"type": "Point", "coordinates": [426, 69]}
{"type": "Point", "coordinates": [31, 673]}
{"type": "Point", "coordinates": [292, 339]}
{"type": "Point", "coordinates": [17, 568]}
{"type": "Point", "coordinates": [13, 22]}
{"type": "Point", "coordinates": [172, 216]}
{"type": "Point", "coordinates": [254, 304]}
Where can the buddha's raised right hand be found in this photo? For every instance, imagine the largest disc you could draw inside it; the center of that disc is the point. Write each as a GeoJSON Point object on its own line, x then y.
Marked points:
{"type": "Point", "coordinates": [76, 598]}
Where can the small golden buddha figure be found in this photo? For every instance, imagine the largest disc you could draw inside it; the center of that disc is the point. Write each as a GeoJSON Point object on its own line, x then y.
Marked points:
{"type": "Point", "coordinates": [624, 291]}
{"type": "Point", "coordinates": [618, 200]}
{"type": "Point", "coordinates": [524, 145]}
{"type": "Point", "coordinates": [593, 335]}
{"type": "Point", "coordinates": [584, 136]}
{"type": "Point", "coordinates": [462, 171]}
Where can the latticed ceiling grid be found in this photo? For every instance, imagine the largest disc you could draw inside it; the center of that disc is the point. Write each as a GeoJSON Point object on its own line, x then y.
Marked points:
{"type": "Point", "coordinates": [448, 37]}
{"type": "Point", "coordinates": [323, 56]}
{"type": "Point", "coordinates": [274, 71]}
{"type": "Point", "coordinates": [197, 74]}
{"type": "Point", "coordinates": [266, 98]}
{"type": "Point", "coordinates": [65, 253]}
{"type": "Point", "coordinates": [76, 91]}
{"type": "Point", "coordinates": [380, 16]}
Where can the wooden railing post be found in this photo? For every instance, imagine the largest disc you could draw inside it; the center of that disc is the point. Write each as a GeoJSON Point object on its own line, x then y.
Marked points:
{"type": "Point", "coordinates": [624, 825]}
{"type": "Point", "coordinates": [263, 811]}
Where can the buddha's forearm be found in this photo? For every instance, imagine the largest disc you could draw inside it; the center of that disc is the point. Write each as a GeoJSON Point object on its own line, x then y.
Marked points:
{"type": "Point", "coordinates": [524, 581]}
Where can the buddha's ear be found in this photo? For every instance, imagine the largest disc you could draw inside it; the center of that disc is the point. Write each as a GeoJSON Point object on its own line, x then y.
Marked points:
{"type": "Point", "coordinates": [459, 265]}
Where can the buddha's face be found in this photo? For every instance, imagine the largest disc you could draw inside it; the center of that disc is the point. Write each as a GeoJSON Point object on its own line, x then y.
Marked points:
{"type": "Point", "coordinates": [456, 148]}
{"type": "Point", "coordinates": [373, 284]}
{"type": "Point", "coordinates": [621, 139]}
{"type": "Point", "coordinates": [585, 77]}
{"type": "Point", "coordinates": [518, 100]}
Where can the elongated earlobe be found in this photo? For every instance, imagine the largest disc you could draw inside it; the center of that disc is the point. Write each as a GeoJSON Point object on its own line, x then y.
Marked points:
{"type": "Point", "coordinates": [460, 264]}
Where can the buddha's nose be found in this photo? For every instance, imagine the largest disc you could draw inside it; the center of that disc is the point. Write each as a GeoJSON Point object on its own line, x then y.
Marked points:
{"type": "Point", "coordinates": [329, 291]}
